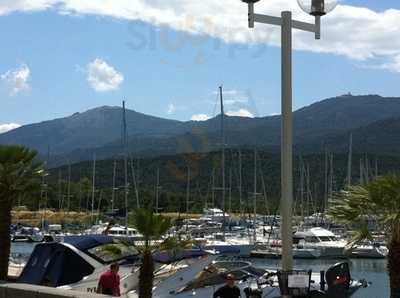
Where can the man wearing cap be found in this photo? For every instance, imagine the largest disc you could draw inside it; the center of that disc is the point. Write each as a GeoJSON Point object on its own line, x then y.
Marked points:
{"type": "Point", "coordinates": [229, 290]}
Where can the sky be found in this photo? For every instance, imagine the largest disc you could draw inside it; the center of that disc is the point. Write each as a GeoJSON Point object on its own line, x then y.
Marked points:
{"type": "Point", "coordinates": [167, 58]}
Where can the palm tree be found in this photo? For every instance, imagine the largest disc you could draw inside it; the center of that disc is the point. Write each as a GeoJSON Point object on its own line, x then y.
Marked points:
{"type": "Point", "coordinates": [378, 200]}
{"type": "Point", "coordinates": [152, 227]}
{"type": "Point", "coordinates": [20, 174]}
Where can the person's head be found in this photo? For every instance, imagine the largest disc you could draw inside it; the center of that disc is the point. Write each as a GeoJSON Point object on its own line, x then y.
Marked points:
{"type": "Point", "coordinates": [114, 267]}
{"type": "Point", "coordinates": [230, 280]}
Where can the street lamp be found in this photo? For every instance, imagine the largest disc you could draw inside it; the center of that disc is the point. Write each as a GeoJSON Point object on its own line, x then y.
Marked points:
{"type": "Point", "coordinates": [316, 8]}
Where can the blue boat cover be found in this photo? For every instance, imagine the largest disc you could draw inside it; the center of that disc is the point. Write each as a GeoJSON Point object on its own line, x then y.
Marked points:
{"type": "Point", "coordinates": [86, 242]}
{"type": "Point", "coordinates": [54, 264]}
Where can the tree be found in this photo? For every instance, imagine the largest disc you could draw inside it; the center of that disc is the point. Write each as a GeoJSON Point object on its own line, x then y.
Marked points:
{"type": "Point", "coordinates": [378, 200]}
{"type": "Point", "coordinates": [20, 174]}
{"type": "Point", "coordinates": [152, 227]}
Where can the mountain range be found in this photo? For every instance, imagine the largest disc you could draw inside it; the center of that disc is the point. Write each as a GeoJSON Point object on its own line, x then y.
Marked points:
{"type": "Point", "coordinates": [374, 122]}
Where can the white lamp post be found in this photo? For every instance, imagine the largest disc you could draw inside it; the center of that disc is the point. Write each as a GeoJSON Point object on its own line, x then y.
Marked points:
{"type": "Point", "coordinates": [316, 8]}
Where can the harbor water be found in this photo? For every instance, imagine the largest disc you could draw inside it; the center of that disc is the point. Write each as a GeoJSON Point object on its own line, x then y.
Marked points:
{"type": "Point", "coordinates": [374, 271]}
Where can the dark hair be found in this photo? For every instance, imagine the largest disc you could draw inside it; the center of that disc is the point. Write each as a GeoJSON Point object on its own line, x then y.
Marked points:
{"type": "Point", "coordinates": [114, 265]}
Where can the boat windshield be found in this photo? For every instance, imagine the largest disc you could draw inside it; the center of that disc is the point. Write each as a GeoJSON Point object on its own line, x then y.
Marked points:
{"type": "Point", "coordinates": [311, 239]}
{"type": "Point", "coordinates": [112, 252]}
{"type": "Point", "coordinates": [327, 238]}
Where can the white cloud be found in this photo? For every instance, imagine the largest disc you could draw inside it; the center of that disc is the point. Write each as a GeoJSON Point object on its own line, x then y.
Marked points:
{"type": "Point", "coordinates": [355, 32]}
{"type": "Point", "coordinates": [240, 113]}
{"type": "Point", "coordinates": [234, 97]}
{"type": "Point", "coordinates": [393, 65]}
{"type": "Point", "coordinates": [8, 126]}
{"type": "Point", "coordinates": [17, 79]}
{"type": "Point", "coordinates": [200, 117]}
{"type": "Point", "coordinates": [103, 77]}
{"type": "Point", "coordinates": [9, 6]}
{"type": "Point", "coordinates": [171, 109]}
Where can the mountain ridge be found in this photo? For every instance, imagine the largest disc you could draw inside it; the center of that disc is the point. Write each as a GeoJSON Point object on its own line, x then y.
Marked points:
{"type": "Point", "coordinates": [78, 136]}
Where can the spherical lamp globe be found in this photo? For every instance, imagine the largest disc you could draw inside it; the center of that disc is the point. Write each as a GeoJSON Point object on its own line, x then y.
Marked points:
{"type": "Point", "coordinates": [317, 8]}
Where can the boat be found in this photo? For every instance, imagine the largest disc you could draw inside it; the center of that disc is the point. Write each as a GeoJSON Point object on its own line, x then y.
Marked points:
{"type": "Point", "coordinates": [77, 262]}
{"type": "Point", "coordinates": [367, 250]}
{"type": "Point", "coordinates": [321, 239]}
{"type": "Point", "coordinates": [116, 231]}
{"type": "Point", "coordinates": [226, 244]}
{"type": "Point", "coordinates": [204, 278]}
{"type": "Point", "coordinates": [215, 215]}
{"type": "Point", "coordinates": [27, 234]}
{"type": "Point", "coordinates": [230, 246]}
{"type": "Point", "coordinates": [269, 252]}
{"type": "Point", "coordinates": [121, 232]}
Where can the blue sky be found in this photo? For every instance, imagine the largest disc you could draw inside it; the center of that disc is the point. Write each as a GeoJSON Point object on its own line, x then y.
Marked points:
{"type": "Point", "coordinates": [60, 58]}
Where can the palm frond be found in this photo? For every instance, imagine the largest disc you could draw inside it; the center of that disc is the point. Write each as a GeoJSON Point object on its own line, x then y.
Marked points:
{"type": "Point", "coordinates": [379, 200]}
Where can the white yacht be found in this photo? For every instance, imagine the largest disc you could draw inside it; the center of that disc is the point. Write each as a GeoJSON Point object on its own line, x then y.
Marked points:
{"type": "Point", "coordinates": [321, 239]}
{"type": "Point", "coordinates": [266, 251]}
{"type": "Point", "coordinates": [77, 263]}
{"type": "Point", "coordinates": [230, 243]}
{"type": "Point", "coordinates": [239, 247]}
{"type": "Point", "coordinates": [367, 250]}
{"type": "Point", "coordinates": [116, 231]}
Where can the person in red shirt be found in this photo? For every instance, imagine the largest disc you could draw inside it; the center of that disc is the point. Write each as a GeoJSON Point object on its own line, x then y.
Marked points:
{"type": "Point", "coordinates": [109, 282]}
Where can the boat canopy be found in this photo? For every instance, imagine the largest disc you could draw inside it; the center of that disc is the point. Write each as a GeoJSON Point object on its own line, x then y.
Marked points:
{"type": "Point", "coordinates": [54, 264]}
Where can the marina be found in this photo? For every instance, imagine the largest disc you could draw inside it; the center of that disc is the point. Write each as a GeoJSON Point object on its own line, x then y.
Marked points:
{"type": "Point", "coordinates": [372, 270]}
{"type": "Point", "coordinates": [162, 154]}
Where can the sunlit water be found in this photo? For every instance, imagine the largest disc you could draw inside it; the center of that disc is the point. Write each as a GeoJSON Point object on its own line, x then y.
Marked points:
{"type": "Point", "coordinates": [373, 271]}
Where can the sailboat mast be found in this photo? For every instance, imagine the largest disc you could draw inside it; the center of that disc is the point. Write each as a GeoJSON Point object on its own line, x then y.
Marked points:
{"type": "Point", "coordinates": [157, 187]}
{"type": "Point", "coordinates": [361, 172]}
{"type": "Point", "coordinates": [222, 156]}
{"type": "Point", "coordinates": [59, 191]}
{"type": "Point", "coordinates": [213, 188]}
{"type": "Point", "coordinates": [69, 188]}
{"type": "Point", "coordinates": [240, 182]}
{"type": "Point", "coordinates": [230, 191]}
{"type": "Point", "coordinates": [255, 197]}
{"type": "Point", "coordinates": [326, 181]}
{"type": "Point", "coordinates": [263, 188]}
{"type": "Point", "coordinates": [125, 161]}
{"type": "Point", "coordinates": [330, 178]}
{"type": "Point", "coordinates": [301, 188]}
{"type": "Point", "coordinates": [366, 168]}
{"type": "Point", "coordinates": [350, 160]}
{"type": "Point", "coordinates": [93, 184]}
{"type": "Point", "coordinates": [135, 183]}
{"type": "Point", "coordinates": [187, 195]}
{"type": "Point", "coordinates": [113, 186]}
